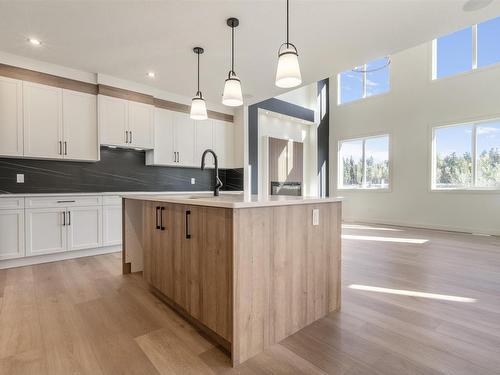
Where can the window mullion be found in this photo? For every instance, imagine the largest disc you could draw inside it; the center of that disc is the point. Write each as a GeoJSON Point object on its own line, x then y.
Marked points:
{"type": "Point", "coordinates": [474, 47]}
{"type": "Point", "coordinates": [473, 156]}
{"type": "Point", "coordinates": [364, 80]}
{"type": "Point", "coordinates": [363, 182]}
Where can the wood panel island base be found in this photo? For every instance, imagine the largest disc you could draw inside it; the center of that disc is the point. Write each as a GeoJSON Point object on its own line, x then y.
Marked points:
{"type": "Point", "coordinates": [248, 273]}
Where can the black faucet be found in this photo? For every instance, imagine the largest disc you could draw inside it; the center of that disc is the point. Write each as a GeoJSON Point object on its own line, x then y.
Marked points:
{"type": "Point", "coordinates": [218, 182]}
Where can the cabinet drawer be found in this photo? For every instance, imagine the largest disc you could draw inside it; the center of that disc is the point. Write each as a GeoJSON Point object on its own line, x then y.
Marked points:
{"type": "Point", "coordinates": [64, 201]}
{"type": "Point", "coordinates": [11, 203]}
{"type": "Point", "coordinates": [111, 200]}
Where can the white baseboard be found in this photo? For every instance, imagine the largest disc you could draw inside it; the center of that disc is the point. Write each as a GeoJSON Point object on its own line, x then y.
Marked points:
{"type": "Point", "coordinates": [420, 226]}
{"type": "Point", "coordinates": [47, 258]}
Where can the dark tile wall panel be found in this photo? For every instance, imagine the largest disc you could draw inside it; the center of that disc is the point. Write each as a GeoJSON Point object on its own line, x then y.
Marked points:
{"type": "Point", "coordinates": [118, 170]}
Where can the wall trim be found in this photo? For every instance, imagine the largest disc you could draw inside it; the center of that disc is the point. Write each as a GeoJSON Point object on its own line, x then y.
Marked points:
{"type": "Point", "coordinates": [116, 92]}
{"type": "Point", "coordinates": [47, 79]}
{"type": "Point", "coordinates": [47, 258]}
{"type": "Point", "coordinates": [410, 224]}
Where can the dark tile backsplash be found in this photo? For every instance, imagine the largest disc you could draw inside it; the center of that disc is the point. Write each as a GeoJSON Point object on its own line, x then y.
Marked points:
{"type": "Point", "coordinates": [118, 170]}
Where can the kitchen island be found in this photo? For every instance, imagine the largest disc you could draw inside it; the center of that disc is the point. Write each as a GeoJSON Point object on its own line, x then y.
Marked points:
{"type": "Point", "coordinates": [247, 272]}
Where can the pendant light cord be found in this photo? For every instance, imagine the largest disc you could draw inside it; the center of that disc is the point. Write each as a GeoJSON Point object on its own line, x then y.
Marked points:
{"type": "Point", "coordinates": [198, 75]}
{"type": "Point", "coordinates": [232, 48]}
{"type": "Point", "coordinates": [287, 25]}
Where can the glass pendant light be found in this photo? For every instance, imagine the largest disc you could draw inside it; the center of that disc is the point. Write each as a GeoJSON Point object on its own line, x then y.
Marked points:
{"type": "Point", "coordinates": [232, 88]}
{"type": "Point", "coordinates": [198, 105]}
{"type": "Point", "coordinates": [288, 72]}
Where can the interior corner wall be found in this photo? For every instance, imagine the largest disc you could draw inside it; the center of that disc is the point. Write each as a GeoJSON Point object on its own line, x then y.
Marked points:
{"type": "Point", "coordinates": [408, 112]}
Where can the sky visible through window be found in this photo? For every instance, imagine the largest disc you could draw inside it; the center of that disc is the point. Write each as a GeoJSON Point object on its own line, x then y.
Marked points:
{"type": "Point", "coordinates": [455, 51]}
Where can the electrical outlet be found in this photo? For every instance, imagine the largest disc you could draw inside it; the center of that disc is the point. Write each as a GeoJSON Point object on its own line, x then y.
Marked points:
{"type": "Point", "coordinates": [316, 216]}
{"type": "Point", "coordinates": [193, 181]}
{"type": "Point", "coordinates": [20, 178]}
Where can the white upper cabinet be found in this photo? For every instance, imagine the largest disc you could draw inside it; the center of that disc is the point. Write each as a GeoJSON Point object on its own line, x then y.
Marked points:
{"type": "Point", "coordinates": [204, 141]}
{"type": "Point", "coordinates": [184, 133]}
{"type": "Point", "coordinates": [113, 119]}
{"type": "Point", "coordinates": [43, 130]}
{"type": "Point", "coordinates": [224, 143]}
{"type": "Point", "coordinates": [126, 123]}
{"type": "Point", "coordinates": [141, 124]}
{"type": "Point", "coordinates": [163, 153]}
{"type": "Point", "coordinates": [11, 117]}
{"type": "Point", "coordinates": [80, 126]}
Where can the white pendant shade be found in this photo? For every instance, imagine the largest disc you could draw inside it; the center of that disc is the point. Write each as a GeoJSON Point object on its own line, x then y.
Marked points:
{"type": "Point", "coordinates": [288, 72]}
{"type": "Point", "coordinates": [232, 96]}
{"type": "Point", "coordinates": [198, 109]}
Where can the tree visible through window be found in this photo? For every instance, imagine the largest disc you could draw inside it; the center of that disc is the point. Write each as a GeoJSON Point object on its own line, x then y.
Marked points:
{"type": "Point", "coordinates": [364, 163]}
{"type": "Point", "coordinates": [467, 156]}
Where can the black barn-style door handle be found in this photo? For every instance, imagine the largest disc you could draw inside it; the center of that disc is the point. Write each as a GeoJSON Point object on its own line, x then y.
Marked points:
{"type": "Point", "coordinates": [188, 235]}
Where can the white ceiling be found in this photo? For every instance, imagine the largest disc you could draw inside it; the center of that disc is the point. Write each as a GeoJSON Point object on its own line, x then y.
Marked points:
{"type": "Point", "coordinates": [126, 39]}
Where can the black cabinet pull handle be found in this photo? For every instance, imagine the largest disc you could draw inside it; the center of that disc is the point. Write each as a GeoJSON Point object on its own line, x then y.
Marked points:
{"type": "Point", "coordinates": [69, 217]}
{"type": "Point", "coordinates": [60, 147]}
{"type": "Point", "coordinates": [131, 137]}
{"type": "Point", "coordinates": [157, 222]}
{"type": "Point", "coordinates": [65, 148]}
{"type": "Point", "coordinates": [64, 218]}
{"type": "Point", "coordinates": [161, 218]}
{"type": "Point", "coordinates": [188, 235]}
{"type": "Point", "coordinates": [65, 201]}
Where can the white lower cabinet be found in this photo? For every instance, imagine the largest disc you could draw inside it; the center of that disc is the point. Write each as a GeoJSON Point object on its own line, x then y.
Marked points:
{"type": "Point", "coordinates": [84, 225]}
{"type": "Point", "coordinates": [112, 225]}
{"type": "Point", "coordinates": [11, 234]}
{"type": "Point", "coordinates": [45, 231]}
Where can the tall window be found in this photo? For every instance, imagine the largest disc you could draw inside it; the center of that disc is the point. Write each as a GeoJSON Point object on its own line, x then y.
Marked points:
{"type": "Point", "coordinates": [467, 156]}
{"type": "Point", "coordinates": [468, 49]}
{"type": "Point", "coordinates": [363, 81]}
{"type": "Point", "coordinates": [364, 163]}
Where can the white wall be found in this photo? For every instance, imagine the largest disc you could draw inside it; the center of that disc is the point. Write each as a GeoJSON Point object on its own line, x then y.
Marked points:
{"type": "Point", "coordinates": [415, 104]}
{"type": "Point", "coordinates": [304, 96]}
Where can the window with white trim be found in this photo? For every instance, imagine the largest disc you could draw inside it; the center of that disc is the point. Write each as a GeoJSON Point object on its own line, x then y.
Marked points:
{"type": "Point", "coordinates": [363, 163]}
{"type": "Point", "coordinates": [363, 81]}
{"type": "Point", "coordinates": [466, 156]}
{"type": "Point", "coordinates": [467, 49]}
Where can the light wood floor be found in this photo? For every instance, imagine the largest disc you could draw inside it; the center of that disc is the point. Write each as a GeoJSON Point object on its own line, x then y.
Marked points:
{"type": "Point", "coordinates": [83, 317]}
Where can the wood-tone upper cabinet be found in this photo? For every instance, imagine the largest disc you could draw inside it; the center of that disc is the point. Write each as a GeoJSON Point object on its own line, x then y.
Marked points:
{"type": "Point", "coordinates": [141, 124]}
{"type": "Point", "coordinates": [80, 126]}
{"type": "Point", "coordinates": [43, 126]}
{"type": "Point", "coordinates": [224, 143]}
{"type": "Point", "coordinates": [204, 140]}
{"type": "Point", "coordinates": [113, 115]}
{"type": "Point", "coordinates": [126, 123]}
{"type": "Point", "coordinates": [11, 117]}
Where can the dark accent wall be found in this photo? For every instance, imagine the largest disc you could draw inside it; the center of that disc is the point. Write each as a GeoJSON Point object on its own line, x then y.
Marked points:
{"type": "Point", "coordinates": [324, 137]}
{"type": "Point", "coordinates": [118, 170]}
{"type": "Point", "coordinates": [274, 105]}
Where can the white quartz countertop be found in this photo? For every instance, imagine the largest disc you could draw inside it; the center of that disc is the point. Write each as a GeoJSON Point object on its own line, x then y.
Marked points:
{"type": "Point", "coordinates": [226, 200]}
{"type": "Point", "coordinates": [119, 193]}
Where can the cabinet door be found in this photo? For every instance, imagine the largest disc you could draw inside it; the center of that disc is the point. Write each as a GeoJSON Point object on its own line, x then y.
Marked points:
{"type": "Point", "coordinates": [184, 140]}
{"type": "Point", "coordinates": [11, 117]}
{"type": "Point", "coordinates": [180, 248]}
{"type": "Point", "coordinates": [224, 143]}
{"type": "Point", "coordinates": [45, 231]}
{"type": "Point", "coordinates": [11, 234]}
{"type": "Point", "coordinates": [80, 126]}
{"type": "Point", "coordinates": [163, 152]}
{"type": "Point", "coordinates": [204, 140]}
{"type": "Point", "coordinates": [42, 120]}
{"type": "Point", "coordinates": [84, 227]}
{"type": "Point", "coordinates": [111, 225]}
{"type": "Point", "coordinates": [113, 120]}
{"type": "Point", "coordinates": [140, 124]}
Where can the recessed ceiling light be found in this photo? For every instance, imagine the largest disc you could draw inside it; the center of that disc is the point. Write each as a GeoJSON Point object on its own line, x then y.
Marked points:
{"type": "Point", "coordinates": [34, 41]}
{"type": "Point", "coordinates": [151, 74]}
